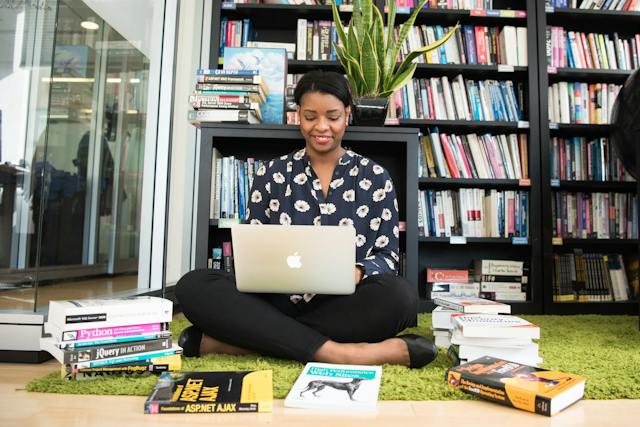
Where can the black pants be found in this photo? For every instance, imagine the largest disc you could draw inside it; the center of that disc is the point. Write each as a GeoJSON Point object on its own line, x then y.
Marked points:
{"type": "Point", "coordinates": [272, 325]}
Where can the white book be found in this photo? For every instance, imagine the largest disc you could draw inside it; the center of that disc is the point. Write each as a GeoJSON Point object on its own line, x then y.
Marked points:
{"type": "Point", "coordinates": [215, 155]}
{"type": "Point", "coordinates": [514, 149]}
{"type": "Point", "coordinates": [301, 40]}
{"type": "Point", "coordinates": [224, 116]}
{"type": "Point", "coordinates": [479, 159]}
{"type": "Point", "coordinates": [527, 355]}
{"type": "Point", "coordinates": [510, 296]}
{"type": "Point", "coordinates": [92, 313]}
{"type": "Point", "coordinates": [441, 318]}
{"type": "Point", "coordinates": [333, 386]}
{"type": "Point", "coordinates": [465, 101]}
{"type": "Point", "coordinates": [441, 164]}
{"type": "Point", "coordinates": [508, 40]}
{"type": "Point", "coordinates": [498, 267]}
{"type": "Point", "coordinates": [448, 99]}
{"type": "Point", "coordinates": [472, 305]}
{"type": "Point", "coordinates": [494, 326]}
{"type": "Point", "coordinates": [508, 165]}
{"type": "Point", "coordinates": [458, 339]}
{"type": "Point", "coordinates": [446, 289]}
{"type": "Point", "coordinates": [442, 341]}
{"type": "Point", "coordinates": [522, 46]}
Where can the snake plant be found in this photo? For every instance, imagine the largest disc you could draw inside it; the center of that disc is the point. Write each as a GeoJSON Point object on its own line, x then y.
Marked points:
{"type": "Point", "coordinates": [368, 57]}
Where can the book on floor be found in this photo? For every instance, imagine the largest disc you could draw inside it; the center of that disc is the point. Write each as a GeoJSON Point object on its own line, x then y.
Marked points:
{"type": "Point", "coordinates": [513, 384]}
{"type": "Point", "coordinates": [494, 326]}
{"type": "Point", "coordinates": [211, 392]}
{"type": "Point", "coordinates": [95, 313]}
{"type": "Point", "coordinates": [472, 305]}
{"type": "Point", "coordinates": [332, 386]}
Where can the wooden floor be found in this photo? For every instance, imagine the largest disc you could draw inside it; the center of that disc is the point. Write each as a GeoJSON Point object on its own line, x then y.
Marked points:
{"type": "Point", "coordinates": [22, 409]}
{"type": "Point", "coordinates": [23, 299]}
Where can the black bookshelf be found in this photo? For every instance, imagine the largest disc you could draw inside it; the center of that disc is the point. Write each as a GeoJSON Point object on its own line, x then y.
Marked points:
{"type": "Point", "coordinates": [278, 23]}
{"type": "Point", "coordinates": [395, 149]}
{"type": "Point", "coordinates": [596, 21]}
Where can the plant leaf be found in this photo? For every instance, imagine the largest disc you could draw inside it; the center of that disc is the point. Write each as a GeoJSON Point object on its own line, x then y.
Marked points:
{"type": "Point", "coordinates": [338, 23]}
{"type": "Point", "coordinates": [389, 61]}
{"type": "Point", "coordinates": [370, 65]}
{"type": "Point", "coordinates": [399, 80]}
{"type": "Point", "coordinates": [355, 25]}
{"type": "Point", "coordinates": [378, 41]}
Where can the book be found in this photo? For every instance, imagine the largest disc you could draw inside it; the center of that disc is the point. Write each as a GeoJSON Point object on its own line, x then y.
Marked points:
{"type": "Point", "coordinates": [520, 386]}
{"type": "Point", "coordinates": [141, 368]}
{"type": "Point", "coordinates": [100, 352]}
{"type": "Point", "coordinates": [96, 313]}
{"type": "Point", "coordinates": [494, 326]}
{"type": "Point", "coordinates": [224, 116]}
{"type": "Point", "coordinates": [211, 392]}
{"type": "Point", "coordinates": [106, 357]}
{"type": "Point", "coordinates": [89, 336]}
{"type": "Point", "coordinates": [472, 305]}
{"type": "Point", "coordinates": [326, 385]}
{"type": "Point", "coordinates": [447, 275]}
{"type": "Point", "coordinates": [272, 64]}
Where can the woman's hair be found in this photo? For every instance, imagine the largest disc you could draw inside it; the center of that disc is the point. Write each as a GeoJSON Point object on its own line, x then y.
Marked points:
{"type": "Point", "coordinates": [321, 81]}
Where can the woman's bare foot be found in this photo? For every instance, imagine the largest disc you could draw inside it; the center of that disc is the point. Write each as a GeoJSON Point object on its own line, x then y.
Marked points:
{"type": "Point", "coordinates": [212, 345]}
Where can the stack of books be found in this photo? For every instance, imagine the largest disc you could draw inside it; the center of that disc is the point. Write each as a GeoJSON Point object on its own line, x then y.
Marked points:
{"type": "Point", "coordinates": [228, 96]}
{"type": "Point", "coordinates": [102, 337]}
{"type": "Point", "coordinates": [502, 280]}
{"type": "Point", "coordinates": [481, 327]}
{"type": "Point", "coordinates": [450, 305]}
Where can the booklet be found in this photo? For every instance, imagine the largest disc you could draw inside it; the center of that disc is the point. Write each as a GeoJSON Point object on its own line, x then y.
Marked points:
{"type": "Point", "coordinates": [325, 385]}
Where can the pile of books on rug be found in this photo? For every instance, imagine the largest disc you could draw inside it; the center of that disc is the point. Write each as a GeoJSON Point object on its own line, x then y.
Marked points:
{"type": "Point", "coordinates": [105, 337]}
{"type": "Point", "coordinates": [475, 327]}
{"type": "Point", "coordinates": [499, 280]}
{"type": "Point", "coordinates": [228, 96]}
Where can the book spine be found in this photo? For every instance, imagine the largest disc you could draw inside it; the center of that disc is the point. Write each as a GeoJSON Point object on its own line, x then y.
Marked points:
{"type": "Point", "coordinates": [115, 350]}
{"type": "Point", "coordinates": [127, 359]}
{"type": "Point", "coordinates": [133, 338]}
{"type": "Point", "coordinates": [89, 334]}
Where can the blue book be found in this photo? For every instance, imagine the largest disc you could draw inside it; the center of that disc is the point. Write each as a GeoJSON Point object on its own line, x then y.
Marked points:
{"type": "Point", "coordinates": [223, 35]}
{"type": "Point", "coordinates": [272, 65]}
{"type": "Point", "coordinates": [470, 43]}
{"type": "Point", "coordinates": [440, 34]}
{"type": "Point", "coordinates": [217, 72]}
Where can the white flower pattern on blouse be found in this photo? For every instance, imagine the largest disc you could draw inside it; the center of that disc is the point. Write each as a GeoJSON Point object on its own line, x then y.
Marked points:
{"type": "Point", "coordinates": [349, 201]}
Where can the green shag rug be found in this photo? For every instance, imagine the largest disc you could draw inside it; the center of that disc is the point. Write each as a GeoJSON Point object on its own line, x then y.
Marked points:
{"type": "Point", "coordinates": [604, 349]}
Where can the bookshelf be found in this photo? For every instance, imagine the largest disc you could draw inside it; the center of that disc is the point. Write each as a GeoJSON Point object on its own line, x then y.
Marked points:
{"type": "Point", "coordinates": [395, 149]}
{"type": "Point", "coordinates": [589, 21]}
{"type": "Point", "coordinates": [277, 22]}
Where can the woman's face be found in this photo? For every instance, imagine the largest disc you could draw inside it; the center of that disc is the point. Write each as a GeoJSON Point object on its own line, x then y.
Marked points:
{"type": "Point", "coordinates": [323, 121]}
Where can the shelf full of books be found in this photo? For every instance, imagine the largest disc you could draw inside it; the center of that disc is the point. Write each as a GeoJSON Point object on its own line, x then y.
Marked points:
{"type": "Point", "coordinates": [587, 50]}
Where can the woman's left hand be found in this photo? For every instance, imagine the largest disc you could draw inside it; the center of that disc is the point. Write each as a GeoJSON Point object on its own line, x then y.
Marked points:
{"type": "Point", "coordinates": [359, 274]}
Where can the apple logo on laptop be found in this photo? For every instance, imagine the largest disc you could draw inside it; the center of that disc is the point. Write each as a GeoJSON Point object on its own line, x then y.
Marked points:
{"type": "Point", "coordinates": [294, 261]}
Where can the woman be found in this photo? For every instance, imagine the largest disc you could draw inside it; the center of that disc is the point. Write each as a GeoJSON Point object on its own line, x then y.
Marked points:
{"type": "Point", "coordinates": [322, 184]}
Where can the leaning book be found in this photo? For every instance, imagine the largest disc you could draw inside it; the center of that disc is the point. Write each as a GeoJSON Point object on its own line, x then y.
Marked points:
{"type": "Point", "coordinates": [331, 386]}
{"type": "Point", "coordinates": [211, 392]}
{"type": "Point", "coordinates": [520, 386]}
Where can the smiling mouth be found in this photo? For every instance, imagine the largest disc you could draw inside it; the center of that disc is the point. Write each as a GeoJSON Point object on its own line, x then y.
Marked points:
{"type": "Point", "coordinates": [323, 138]}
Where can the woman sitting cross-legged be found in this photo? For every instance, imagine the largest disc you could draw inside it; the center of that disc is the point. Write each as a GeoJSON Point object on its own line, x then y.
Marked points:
{"type": "Point", "coordinates": [320, 184]}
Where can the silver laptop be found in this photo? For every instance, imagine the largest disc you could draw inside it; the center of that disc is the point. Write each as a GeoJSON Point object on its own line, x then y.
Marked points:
{"type": "Point", "coordinates": [294, 259]}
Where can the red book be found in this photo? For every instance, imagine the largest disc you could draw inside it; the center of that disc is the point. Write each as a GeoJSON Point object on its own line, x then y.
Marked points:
{"type": "Point", "coordinates": [451, 276]}
{"type": "Point", "coordinates": [448, 154]}
{"type": "Point", "coordinates": [481, 45]}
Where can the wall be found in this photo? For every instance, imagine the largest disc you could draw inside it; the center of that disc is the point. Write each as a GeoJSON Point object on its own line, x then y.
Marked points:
{"type": "Point", "coordinates": [184, 141]}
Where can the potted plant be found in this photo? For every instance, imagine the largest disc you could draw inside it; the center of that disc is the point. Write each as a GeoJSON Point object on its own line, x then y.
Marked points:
{"type": "Point", "coordinates": [370, 59]}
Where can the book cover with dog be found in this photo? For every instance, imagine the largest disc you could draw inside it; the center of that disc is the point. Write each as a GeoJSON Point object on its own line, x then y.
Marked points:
{"type": "Point", "coordinates": [326, 385]}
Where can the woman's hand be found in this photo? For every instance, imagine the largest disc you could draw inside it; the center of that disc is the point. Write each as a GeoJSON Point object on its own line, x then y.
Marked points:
{"type": "Point", "coordinates": [359, 274]}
